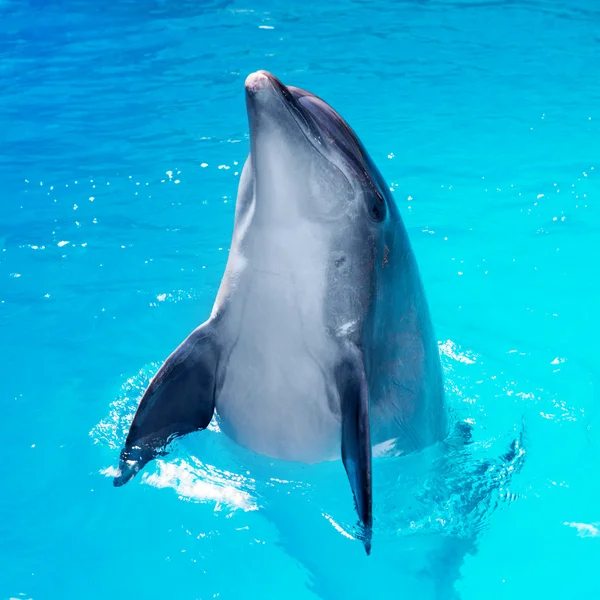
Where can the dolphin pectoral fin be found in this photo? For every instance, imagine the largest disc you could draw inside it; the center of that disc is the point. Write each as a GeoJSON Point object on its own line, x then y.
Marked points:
{"type": "Point", "coordinates": [356, 440]}
{"type": "Point", "coordinates": [179, 400]}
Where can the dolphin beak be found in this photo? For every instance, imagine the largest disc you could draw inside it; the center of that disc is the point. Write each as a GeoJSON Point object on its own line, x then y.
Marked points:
{"type": "Point", "coordinates": [257, 82]}
{"type": "Point", "coordinates": [267, 104]}
{"type": "Point", "coordinates": [264, 92]}
{"type": "Point", "coordinates": [268, 101]}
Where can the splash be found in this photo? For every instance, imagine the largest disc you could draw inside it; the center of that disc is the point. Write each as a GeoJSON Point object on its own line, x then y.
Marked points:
{"type": "Point", "coordinates": [113, 430]}
{"type": "Point", "coordinates": [190, 478]}
{"type": "Point", "coordinates": [447, 490]}
{"type": "Point", "coordinates": [585, 529]}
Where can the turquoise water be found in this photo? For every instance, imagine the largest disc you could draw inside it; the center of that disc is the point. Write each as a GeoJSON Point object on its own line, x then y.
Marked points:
{"type": "Point", "coordinates": [122, 133]}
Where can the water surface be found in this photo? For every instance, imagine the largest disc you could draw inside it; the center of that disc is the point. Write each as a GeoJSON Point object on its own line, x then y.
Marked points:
{"type": "Point", "coordinates": [122, 134]}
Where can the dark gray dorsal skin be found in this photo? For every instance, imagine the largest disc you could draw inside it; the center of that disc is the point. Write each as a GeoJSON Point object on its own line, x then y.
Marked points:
{"type": "Point", "coordinates": [320, 343]}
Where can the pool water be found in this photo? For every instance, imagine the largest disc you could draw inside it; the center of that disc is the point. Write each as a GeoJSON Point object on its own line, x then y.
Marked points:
{"type": "Point", "coordinates": [122, 134]}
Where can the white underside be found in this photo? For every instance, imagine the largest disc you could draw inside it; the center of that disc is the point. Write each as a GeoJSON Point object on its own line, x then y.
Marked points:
{"type": "Point", "coordinates": [277, 379]}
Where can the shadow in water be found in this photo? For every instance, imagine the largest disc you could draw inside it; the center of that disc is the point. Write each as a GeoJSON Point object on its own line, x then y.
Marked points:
{"type": "Point", "coordinates": [429, 510]}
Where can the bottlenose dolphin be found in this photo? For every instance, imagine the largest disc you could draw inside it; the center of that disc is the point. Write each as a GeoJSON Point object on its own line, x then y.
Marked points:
{"type": "Point", "coordinates": [320, 342]}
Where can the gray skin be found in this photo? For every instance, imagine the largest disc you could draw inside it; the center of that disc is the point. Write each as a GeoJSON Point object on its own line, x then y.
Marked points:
{"type": "Point", "coordinates": [320, 343]}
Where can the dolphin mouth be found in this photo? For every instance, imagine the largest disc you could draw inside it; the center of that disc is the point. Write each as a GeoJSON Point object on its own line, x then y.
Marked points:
{"type": "Point", "coordinates": [261, 86]}
{"type": "Point", "coordinates": [262, 83]}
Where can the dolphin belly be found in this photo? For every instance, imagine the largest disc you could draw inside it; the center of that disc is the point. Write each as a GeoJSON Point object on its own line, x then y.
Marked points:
{"type": "Point", "coordinates": [275, 393]}
{"type": "Point", "coordinates": [278, 411]}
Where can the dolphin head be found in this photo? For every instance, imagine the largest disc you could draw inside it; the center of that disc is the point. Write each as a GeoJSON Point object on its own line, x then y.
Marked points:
{"type": "Point", "coordinates": [306, 160]}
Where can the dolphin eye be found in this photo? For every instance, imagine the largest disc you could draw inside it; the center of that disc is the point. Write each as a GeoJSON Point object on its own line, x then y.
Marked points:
{"type": "Point", "coordinates": [376, 213]}
{"type": "Point", "coordinates": [377, 209]}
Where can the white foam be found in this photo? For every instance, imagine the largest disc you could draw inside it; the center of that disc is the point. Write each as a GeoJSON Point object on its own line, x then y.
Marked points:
{"type": "Point", "coordinates": [201, 483]}
{"type": "Point", "coordinates": [585, 529]}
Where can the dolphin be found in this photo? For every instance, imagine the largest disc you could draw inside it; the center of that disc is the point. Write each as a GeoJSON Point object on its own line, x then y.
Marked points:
{"type": "Point", "coordinates": [320, 343]}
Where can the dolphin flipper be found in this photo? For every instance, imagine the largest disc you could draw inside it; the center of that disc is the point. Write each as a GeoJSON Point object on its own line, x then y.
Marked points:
{"type": "Point", "coordinates": [179, 400]}
{"type": "Point", "coordinates": [356, 439]}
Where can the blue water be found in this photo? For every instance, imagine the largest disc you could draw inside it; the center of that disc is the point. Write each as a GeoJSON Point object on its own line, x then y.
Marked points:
{"type": "Point", "coordinates": [122, 133]}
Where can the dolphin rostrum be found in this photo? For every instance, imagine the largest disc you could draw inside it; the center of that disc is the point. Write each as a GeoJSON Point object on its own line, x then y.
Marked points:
{"type": "Point", "coordinates": [320, 342]}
